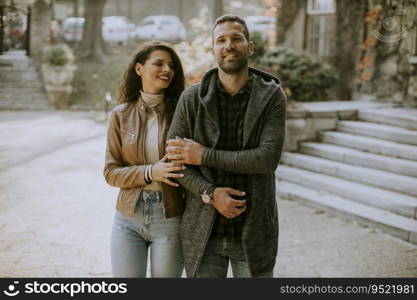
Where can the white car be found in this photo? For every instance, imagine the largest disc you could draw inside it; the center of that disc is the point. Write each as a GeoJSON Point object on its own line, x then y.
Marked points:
{"type": "Point", "coordinates": [71, 29]}
{"type": "Point", "coordinates": [161, 27]}
{"type": "Point", "coordinates": [262, 24]}
{"type": "Point", "coordinates": [115, 29]}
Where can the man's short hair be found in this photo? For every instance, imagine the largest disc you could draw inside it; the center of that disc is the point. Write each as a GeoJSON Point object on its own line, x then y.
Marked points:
{"type": "Point", "coordinates": [231, 18]}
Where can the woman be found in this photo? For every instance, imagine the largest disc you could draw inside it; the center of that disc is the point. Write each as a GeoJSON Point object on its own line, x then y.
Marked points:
{"type": "Point", "coordinates": [149, 204]}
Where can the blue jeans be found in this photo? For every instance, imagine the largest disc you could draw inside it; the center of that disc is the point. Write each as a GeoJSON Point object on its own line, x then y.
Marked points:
{"type": "Point", "coordinates": [215, 261]}
{"type": "Point", "coordinates": [146, 231]}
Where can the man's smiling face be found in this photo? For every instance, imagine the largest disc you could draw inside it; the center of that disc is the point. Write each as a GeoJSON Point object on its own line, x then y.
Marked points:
{"type": "Point", "coordinates": [231, 49]}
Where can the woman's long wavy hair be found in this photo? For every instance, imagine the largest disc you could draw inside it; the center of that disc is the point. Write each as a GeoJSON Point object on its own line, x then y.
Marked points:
{"type": "Point", "coordinates": [131, 83]}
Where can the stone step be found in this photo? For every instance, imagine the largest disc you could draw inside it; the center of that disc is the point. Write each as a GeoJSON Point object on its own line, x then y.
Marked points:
{"type": "Point", "coordinates": [25, 101]}
{"type": "Point", "coordinates": [15, 70]}
{"type": "Point", "coordinates": [21, 84]}
{"type": "Point", "coordinates": [20, 62]}
{"type": "Point", "coordinates": [7, 67]}
{"type": "Point", "coordinates": [376, 197]}
{"type": "Point", "coordinates": [21, 90]}
{"type": "Point", "coordinates": [399, 117]}
{"type": "Point", "coordinates": [22, 96]}
{"type": "Point", "coordinates": [17, 77]}
{"type": "Point", "coordinates": [24, 106]}
{"type": "Point", "coordinates": [369, 144]}
{"type": "Point", "coordinates": [395, 225]}
{"type": "Point", "coordinates": [29, 102]}
{"type": "Point", "coordinates": [385, 132]}
{"type": "Point", "coordinates": [360, 158]}
{"type": "Point", "coordinates": [394, 182]}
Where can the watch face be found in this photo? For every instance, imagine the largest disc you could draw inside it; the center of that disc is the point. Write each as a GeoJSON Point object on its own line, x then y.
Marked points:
{"type": "Point", "coordinates": [205, 198]}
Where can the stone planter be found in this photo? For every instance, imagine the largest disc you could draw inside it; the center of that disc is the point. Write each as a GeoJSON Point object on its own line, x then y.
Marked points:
{"type": "Point", "coordinates": [57, 81]}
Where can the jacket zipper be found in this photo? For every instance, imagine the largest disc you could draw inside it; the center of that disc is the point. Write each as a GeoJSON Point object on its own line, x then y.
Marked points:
{"type": "Point", "coordinates": [142, 142]}
{"type": "Point", "coordinates": [159, 152]}
{"type": "Point", "coordinates": [131, 135]}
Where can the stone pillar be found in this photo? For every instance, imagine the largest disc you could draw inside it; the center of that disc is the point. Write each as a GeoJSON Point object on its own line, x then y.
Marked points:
{"type": "Point", "coordinates": [39, 35]}
{"type": "Point", "coordinates": [411, 99]}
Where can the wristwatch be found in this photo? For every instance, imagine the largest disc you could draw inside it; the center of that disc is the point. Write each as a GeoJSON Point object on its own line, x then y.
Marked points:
{"type": "Point", "coordinates": [207, 195]}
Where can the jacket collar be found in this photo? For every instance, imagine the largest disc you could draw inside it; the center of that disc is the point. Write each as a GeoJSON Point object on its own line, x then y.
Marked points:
{"type": "Point", "coordinates": [159, 109]}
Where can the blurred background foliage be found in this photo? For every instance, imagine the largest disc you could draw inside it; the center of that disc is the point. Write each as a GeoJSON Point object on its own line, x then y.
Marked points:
{"type": "Point", "coordinates": [320, 49]}
{"type": "Point", "coordinates": [304, 78]}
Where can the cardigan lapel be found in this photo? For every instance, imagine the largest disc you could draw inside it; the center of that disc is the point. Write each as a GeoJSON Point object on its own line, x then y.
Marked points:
{"type": "Point", "coordinates": [259, 97]}
{"type": "Point", "coordinates": [208, 97]}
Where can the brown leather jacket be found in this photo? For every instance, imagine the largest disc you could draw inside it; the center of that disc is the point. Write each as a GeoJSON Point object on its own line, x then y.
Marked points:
{"type": "Point", "coordinates": [125, 157]}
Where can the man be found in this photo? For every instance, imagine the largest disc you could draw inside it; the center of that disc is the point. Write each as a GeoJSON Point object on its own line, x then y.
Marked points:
{"type": "Point", "coordinates": [229, 130]}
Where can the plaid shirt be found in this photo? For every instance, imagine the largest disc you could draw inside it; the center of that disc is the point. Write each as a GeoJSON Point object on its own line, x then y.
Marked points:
{"type": "Point", "coordinates": [231, 111]}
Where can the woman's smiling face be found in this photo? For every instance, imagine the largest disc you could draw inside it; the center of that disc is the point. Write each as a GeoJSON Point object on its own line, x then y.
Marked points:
{"type": "Point", "coordinates": [157, 72]}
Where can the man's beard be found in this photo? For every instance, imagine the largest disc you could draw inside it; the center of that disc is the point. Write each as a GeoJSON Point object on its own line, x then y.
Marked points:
{"type": "Point", "coordinates": [235, 67]}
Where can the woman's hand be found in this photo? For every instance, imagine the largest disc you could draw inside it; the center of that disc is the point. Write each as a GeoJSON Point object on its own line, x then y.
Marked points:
{"type": "Point", "coordinates": [185, 151]}
{"type": "Point", "coordinates": [162, 171]}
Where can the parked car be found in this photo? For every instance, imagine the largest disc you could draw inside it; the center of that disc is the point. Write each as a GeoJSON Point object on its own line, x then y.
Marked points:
{"type": "Point", "coordinates": [71, 29]}
{"type": "Point", "coordinates": [115, 29]}
{"type": "Point", "coordinates": [261, 24]}
{"type": "Point", "coordinates": [161, 27]}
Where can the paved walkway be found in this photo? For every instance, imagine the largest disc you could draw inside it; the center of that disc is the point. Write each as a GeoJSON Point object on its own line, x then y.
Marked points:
{"type": "Point", "coordinates": [56, 211]}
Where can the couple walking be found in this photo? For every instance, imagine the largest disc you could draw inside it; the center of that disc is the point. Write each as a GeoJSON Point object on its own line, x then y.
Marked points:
{"type": "Point", "coordinates": [196, 167]}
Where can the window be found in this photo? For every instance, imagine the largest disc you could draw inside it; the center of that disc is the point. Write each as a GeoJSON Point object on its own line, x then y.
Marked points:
{"type": "Point", "coordinates": [413, 42]}
{"type": "Point", "coordinates": [413, 46]}
{"type": "Point", "coordinates": [321, 7]}
{"type": "Point", "coordinates": [149, 22]}
{"type": "Point", "coordinates": [320, 27]}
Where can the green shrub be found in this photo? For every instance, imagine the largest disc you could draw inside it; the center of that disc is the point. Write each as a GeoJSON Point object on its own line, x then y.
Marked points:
{"type": "Point", "coordinates": [58, 55]}
{"type": "Point", "coordinates": [92, 79]}
{"type": "Point", "coordinates": [261, 45]}
{"type": "Point", "coordinates": [303, 77]}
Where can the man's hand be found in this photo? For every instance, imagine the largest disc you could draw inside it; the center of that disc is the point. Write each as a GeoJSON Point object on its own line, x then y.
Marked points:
{"type": "Point", "coordinates": [226, 205]}
{"type": "Point", "coordinates": [185, 151]}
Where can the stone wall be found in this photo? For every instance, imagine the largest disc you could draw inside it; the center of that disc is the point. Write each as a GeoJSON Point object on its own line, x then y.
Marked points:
{"type": "Point", "coordinates": [411, 98]}
{"type": "Point", "coordinates": [303, 125]}
{"type": "Point", "coordinates": [395, 70]}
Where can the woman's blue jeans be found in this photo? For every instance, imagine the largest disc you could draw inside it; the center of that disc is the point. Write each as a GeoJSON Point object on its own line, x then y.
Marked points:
{"type": "Point", "coordinates": [147, 231]}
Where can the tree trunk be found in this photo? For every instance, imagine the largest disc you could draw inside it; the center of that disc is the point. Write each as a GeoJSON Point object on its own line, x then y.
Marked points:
{"type": "Point", "coordinates": [92, 44]}
{"type": "Point", "coordinates": [286, 15]}
{"type": "Point", "coordinates": [350, 16]}
{"type": "Point", "coordinates": [393, 78]}
{"type": "Point", "coordinates": [76, 8]}
{"type": "Point", "coordinates": [119, 7]}
{"type": "Point", "coordinates": [179, 11]}
{"type": "Point", "coordinates": [216, 9]}
{"type": "Point", "coordinates": [39, 37]}
{"type": "Point", "coordinates": [130, 9]}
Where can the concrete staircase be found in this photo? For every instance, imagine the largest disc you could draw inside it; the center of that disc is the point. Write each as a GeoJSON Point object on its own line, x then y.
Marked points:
{"type": "Point", "coordinates": [365, 170]}
{"type": "Point", "coordinates": [20, 85]}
